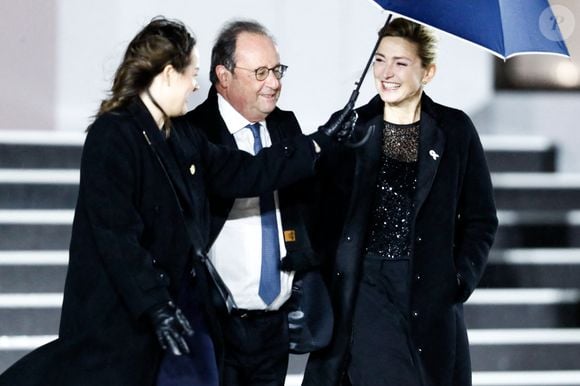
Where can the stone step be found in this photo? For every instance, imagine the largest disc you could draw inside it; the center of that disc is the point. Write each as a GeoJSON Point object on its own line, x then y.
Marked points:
{"type": "Point", "coordinates": [62, 149]}
{"type": "Point", "coordinates": [13, 348]}
{"type": "Point", "coordinates": [533, 267]}
{"type": "Point", "coordinates": [519, 153]}
{"type": "Point", "coordinates": [40, 149]}
{"type": "Point", "coordinates": [526, 308]}
{"type": "Point", "coordinates": [30, 314]}
{"type": "Point", "coordinates": [506, 357]}
{"type": "Point", "coordinates": [38, 188]}
{"type": "Point", "coordinates": [524, 349]}
{"type": "Point", "coordinates": [538, 229]}
{"type": "Point", "coordinates": [35, 229]}
{"type": "Point", "coordinates": [527, 378]}
{"type": "Point", "coordinates": [32, 271]}
{"type": "Point", "coordinates": [523, 308]}
{"type": "Point", "coordinates": [492, 350]}
{"type": "Point", "coordinates": [58, 188]}
{"type": "Point", "coordinates": [480, 378]}
{"type": "Point", "coordinates": [537, 191]}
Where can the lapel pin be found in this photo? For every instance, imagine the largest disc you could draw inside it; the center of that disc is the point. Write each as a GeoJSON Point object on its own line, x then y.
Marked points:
{"type": "Point", "coordinates": [192, 169]}
{"type": "Point", "coordinates": [433, 154]}
{"type": "Point", "coordinates": [290, 235]}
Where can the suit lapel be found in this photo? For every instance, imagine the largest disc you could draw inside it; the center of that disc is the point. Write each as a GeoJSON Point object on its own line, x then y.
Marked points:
{"type": "Point", "coordinates": [213, 124]}
{"type": "Point", "coordinates": [275, 128]}
{"type": "Point", "coordinates": [431, 147]}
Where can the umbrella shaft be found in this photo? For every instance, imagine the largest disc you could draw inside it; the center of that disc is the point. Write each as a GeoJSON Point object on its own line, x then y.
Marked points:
{"type": "Point", "coordinates": [355, 92]}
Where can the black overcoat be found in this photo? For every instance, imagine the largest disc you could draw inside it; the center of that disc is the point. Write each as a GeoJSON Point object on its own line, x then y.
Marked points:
{"type": "Point", "coordinates": [130, 247]}
{"type": "Point", "coordinates": [455, 224]}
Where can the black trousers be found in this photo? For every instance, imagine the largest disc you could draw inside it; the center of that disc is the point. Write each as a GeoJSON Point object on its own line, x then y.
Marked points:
{"type": "Point", "coordinates": [382, 353]}
{"type": "Point", "coordinates": [255, 348]}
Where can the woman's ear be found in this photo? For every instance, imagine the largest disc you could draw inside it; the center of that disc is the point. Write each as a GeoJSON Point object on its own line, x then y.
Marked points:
{"type": "Point", "coordinates": [429, 73]}
{"type": "Point", "coordinates": [167, 73]}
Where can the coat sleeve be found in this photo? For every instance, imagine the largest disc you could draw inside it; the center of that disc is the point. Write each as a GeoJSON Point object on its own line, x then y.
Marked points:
{"type": "Point", "coordinates": [110, 192]}
{"type": "Point", "coordinates": [234, 173]}
{"type": "Point", "coordinates": [476, 218]}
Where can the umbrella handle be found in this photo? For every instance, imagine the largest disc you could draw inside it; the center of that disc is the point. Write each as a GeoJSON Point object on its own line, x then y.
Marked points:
{"type": "Point", "coordinates": [364, 140]}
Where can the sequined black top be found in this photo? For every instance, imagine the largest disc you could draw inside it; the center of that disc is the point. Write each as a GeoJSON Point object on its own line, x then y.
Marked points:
{"type": "Point", "coordinates": [390, 226]}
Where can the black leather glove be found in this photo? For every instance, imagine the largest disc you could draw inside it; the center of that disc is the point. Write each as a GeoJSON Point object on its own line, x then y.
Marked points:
{"type": "Point", "coordinates": [171, 326]}
{"type": "Point", "coordinates": [341, 124]}
{"type": "Point", "coordinates": [300, 261]}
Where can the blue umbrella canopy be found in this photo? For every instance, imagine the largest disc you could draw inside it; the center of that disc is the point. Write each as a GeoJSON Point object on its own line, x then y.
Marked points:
{"type": "Point", "coordinates": [504, 27]}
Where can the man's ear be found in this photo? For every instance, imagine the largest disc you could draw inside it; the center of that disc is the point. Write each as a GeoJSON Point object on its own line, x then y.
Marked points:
{"type": "Point", "coordinates": [223, 75]}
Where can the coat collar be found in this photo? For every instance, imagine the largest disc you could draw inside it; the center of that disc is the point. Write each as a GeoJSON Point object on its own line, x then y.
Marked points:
{"type": "Point", "coordinates": [213, 124]}
{"type": "Point", "coordinates": [431, 148]}
{"type": "Point", "coordinates": [217, 131]}
{"type": "Point", "coordinates": [174, 170]}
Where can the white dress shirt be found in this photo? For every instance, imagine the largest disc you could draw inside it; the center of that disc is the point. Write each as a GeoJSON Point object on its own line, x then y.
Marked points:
{"type": "Point", "coordinates": [237, 251]}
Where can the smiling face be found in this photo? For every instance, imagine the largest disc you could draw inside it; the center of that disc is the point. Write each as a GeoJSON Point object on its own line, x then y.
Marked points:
{"type": "Point", "coordinates": [399, 73]}
{"type": "Point", "coordinates": [252, 98]}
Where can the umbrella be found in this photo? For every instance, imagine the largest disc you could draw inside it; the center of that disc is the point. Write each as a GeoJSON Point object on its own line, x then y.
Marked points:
{"type": "Point", "coordinates": [504, 27]}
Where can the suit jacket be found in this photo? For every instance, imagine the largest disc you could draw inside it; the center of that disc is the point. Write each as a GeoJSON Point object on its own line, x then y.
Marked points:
{"type": "Point", "coordinates": [141, 222]}
{"type": "Point", "coordinates": [454, 227]}
{"type": "Point", "coordinates": [294, 200]}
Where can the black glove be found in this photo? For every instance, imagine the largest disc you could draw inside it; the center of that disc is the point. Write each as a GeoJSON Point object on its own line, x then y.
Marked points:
{"type": "Point", "coordinates": [300, 261]}
{"type": "Point", "coordinates": [170, 327]}
{"type": "Point", "coordinates": [341, 124]}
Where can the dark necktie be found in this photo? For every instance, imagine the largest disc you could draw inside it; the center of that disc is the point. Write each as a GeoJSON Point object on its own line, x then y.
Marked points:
{"type": "Point", "coordinates": [270, 272]}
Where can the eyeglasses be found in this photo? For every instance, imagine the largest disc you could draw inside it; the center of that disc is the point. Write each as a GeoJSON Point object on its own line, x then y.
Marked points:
{"type": "Point", "coordinates": [263, 72]}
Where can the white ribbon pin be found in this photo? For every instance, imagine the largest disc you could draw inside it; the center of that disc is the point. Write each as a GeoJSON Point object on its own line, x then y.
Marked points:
{"type": "Point", "coordinates": [433, 154]}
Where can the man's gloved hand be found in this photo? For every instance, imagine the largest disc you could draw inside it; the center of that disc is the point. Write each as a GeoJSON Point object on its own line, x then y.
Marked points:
{"type": "Point", "coordinates": [300, 261]}
{"type": "Point", "coordinates": [170, 327]}
{"type": "Point", "coordinates": [341, 124]}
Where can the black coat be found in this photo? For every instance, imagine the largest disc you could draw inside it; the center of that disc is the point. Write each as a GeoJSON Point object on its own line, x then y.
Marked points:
{"type": "Point", "coordinates": [455, 224]}
{"type": "Point", "coordinates": [130, 247]}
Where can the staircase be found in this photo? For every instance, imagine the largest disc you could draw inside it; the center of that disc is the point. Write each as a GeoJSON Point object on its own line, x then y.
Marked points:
{"type": "Point", "coordinates": [38, 188]}
{"type": "Point", "coordinates": [524, 320]}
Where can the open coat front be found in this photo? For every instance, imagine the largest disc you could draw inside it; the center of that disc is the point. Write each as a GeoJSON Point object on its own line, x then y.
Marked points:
{"type": "Point", "coordinates": [140, 223]}
{"type": "Point", "coordinates": [455, 224]}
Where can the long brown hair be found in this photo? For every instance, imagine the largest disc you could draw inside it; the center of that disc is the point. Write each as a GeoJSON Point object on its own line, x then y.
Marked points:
{"type": "Point", "coordinates": [158, 44]}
